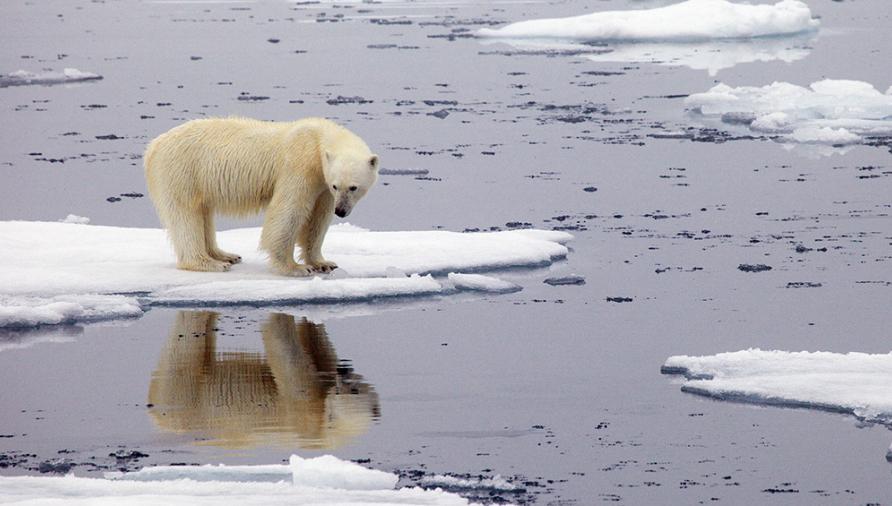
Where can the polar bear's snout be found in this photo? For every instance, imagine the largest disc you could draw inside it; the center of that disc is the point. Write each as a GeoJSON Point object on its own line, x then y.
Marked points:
{"type": "Point", "coordinates": [342, 211]}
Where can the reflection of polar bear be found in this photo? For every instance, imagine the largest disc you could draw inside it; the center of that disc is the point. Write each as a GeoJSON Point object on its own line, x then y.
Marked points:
{"type": "Point", "coordinates": [297, 389]}
{"type": "Point", "coordinates": [300, 172]}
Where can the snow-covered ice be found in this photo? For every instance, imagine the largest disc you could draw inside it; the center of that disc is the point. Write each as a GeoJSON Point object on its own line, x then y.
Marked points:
{"type": "Point", "coordinates": [826, 112]}
{"type": "Point", "coordinates": [855, 383]}
{"type": "Point", "coordinates": [68, 75]}
{"type": "Point", "coordinates": [29, 311]}
{"type": "Point", "coordinates": [53, 272]}
{"type": "Point", "coordinates": [322, 480]}
{"type": "Point", "coordinates": [691, 20]}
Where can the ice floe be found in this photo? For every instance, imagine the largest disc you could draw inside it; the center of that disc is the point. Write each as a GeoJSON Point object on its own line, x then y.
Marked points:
{"type": "Point", "coordinates": [691, 20]}
{"type": "Point", "coordinates": [855, 383]}
{"type": "Point", "coordinates": [53, 272]}
{"type": "Point", "coordinates": [321, 480]}
{"type": "Point", "coordinates": [832, 112]}
{"type": "Point", "coordinates": [448, 482]}
{"type": "Point", "coordinates": [68, 75]}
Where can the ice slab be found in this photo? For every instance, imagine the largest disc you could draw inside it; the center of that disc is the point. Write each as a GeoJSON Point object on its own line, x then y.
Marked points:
{"type": "Point", "coordinates": [830, 112]}
{"type": "Point", "coordinates": [691, 20]}
{"type": "Point", "coordinates": [322, 480]}
{"type": "Point", "coordinates": [68, 75]}
{"type": "Point", "coordinates": [481, 283]}
{"type": "Point", "coordinates": [854, 383]}
{"type": "Point", "coordinates": [53, 272]}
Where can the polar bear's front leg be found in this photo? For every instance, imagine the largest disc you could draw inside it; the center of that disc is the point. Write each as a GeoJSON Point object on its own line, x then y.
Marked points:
{"type": "Point", "coordinates": [284, 219]}
{"type": "Point", "coordinates": [313, 234]}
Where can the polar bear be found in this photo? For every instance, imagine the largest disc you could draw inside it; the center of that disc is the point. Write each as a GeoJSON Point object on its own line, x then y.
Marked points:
{"type": "Point", "coordinates": [300, 172]}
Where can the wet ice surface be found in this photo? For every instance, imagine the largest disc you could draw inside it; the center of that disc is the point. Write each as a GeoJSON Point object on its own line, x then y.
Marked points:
{"type": "Point", "coordinates": [555, 388]}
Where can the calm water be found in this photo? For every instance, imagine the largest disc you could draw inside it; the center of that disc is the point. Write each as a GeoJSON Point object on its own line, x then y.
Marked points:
{"type": "Point", "coordinates": [554, 386]}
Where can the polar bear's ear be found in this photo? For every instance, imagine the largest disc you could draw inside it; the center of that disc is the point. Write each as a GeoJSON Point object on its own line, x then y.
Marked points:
{"type": "Point", "coordinates": [373, 162]}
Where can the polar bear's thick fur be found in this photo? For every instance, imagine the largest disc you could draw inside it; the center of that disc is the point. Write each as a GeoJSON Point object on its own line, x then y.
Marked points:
{"type": "Point", "coordinates": [300, 172]}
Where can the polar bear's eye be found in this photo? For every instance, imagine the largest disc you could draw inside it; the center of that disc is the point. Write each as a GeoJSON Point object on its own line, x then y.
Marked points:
{"type": "Point", "coordinates": [353, 188]}
{"type": "Point", "coordinates": [334, 187]}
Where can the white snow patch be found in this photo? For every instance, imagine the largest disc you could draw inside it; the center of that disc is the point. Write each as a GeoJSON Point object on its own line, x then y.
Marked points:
{"type": "Point", "coordinates": [30, 311]}
{"type": "Point", "coordinates": [827, 112]}
{"type": "Point", "coordinates": [692, 20]}
{"type": "Point", "coordinates": [481, 283]}
{"type": "Point", "coordinates": [448, 482]}
{"type": "Point", "coordinates": [73, 218]}
{"type": "Point", "coordinates": [51, 272]}
{"type": "Point", "coordinates": [68, 75]}
{"type": "Point", "coordinates": [856, 383]}
{"type": "Point", "coordinates": [322, 480]}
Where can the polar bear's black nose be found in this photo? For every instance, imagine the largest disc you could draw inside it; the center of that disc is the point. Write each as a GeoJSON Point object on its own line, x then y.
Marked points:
{"type": "Point", "coordinates": [340, 212]}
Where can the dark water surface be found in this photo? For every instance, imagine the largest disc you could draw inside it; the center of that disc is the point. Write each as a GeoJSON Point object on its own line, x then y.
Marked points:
{"type": "Point", "coordinates": [556, 387]}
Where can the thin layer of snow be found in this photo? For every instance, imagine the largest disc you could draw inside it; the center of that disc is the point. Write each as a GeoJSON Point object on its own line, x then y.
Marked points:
{"type": "Point", "coordinates": [322, 480]}
{"type": "Point", "coordinates": [856, 383]}
{"type": "Point", "coordinates": [827, 112]}
{"type": "Point", "coordinates": [496, 483]}
{"type": "Point", "coordinates": [481, 283]}
{"type": "Point", "coordinates": [51, 272]}
{"type": "Point", "coordinates": [68, 75]}
{"type": "Point", "coordinates": [31, 311]}
{"type": "Point", "coordinates": [691, 20]}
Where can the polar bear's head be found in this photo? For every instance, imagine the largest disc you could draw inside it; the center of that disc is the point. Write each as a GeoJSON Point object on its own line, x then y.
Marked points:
{"type": "Point", "coordinates": [349, 177]}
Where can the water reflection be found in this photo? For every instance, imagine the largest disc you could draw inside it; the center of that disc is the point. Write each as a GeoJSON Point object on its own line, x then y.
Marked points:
{"type": "Point", "coordinates": [296, 392]}
{"type": "Point", "coordinates": [711, 56]}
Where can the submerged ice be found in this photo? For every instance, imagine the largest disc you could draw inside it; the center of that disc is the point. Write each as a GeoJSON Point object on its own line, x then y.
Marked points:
{"type": "Point", "coordinates": [855, 383]}
{"type": "Point", "coordinates": [826, 112]}
{"type": "Point", "coordinates": [691, 20]}
{"type": "Point", "coordinates": [54, 273]}
{"type": "Point", "coordinates": [68, 75]}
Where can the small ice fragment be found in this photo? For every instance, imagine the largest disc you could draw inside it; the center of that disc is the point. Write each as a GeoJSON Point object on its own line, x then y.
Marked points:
{"type": "Point", "coordinates": [73, 218]}
{"type": "Point", "coordinates": [565, 280]}
{"type": "Point", "coordinates": [824, 135]}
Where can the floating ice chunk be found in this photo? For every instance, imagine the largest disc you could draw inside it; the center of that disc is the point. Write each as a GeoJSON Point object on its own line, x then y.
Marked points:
{"type": "Point", "coordinates": [46, 260]}
{"type": "Point", "coordinates": [692, 20]}
{"type": "Point", "coordinates": [73, 218]}
{"type": "Point", "coordinates": [826, 112]}
{"type": "Point", "coordinates": [481, 283]}
{"type": "Point", "coordinates": [29, 311]}
{"type": "Point", "coordinates": [68, 75]}
{"type": "Point", "coordinates": [855, 383]}
{"type": "Point", "coordinates": [496, 483]}
{"type": "Point", "coordinates": [824, 135]}
{"type": "Point", "coordinates": [330, 472]}
{"type": "Point", "coordinates": [323, 480]}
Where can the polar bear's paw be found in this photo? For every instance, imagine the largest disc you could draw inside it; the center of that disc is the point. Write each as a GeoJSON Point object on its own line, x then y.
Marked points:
{"type": "Point", "coordinates": [230, 258]}
{"type": "Point", "coordinates": [205, 265]}
{"type": "Point", "coordinates": [323, 266]}
{"type": "Point", "coordinates": [297, 270]}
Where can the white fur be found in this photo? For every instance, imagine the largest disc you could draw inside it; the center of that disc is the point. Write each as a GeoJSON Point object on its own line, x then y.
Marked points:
{"type": "Point", "coordinates": [300, 172]}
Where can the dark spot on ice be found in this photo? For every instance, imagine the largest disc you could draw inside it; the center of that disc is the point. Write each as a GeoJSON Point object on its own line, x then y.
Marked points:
{"type": "Point", "coordinates": [803, 284]}
{"type": "Point", "coordinates": [108, 137]}
{"type": "Point", "coordinates": [619, 299]}
{"type": "Point", "coordinates": [124, 455]}
{"type": "Point", "coordinates": [441, 114]}
{"type": "Point", "coordinates": [754, 267]}
{"type": "Point", "coordinates": [113, 199]}
{"type": "Point", "coordinates": [565, 280]}
{"type": "Point", "coordinates": [273, 40]}
{"type": "Point", "coordinates": [590, 189]}
{"type": "Point", "coordinates": [195, 58]}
